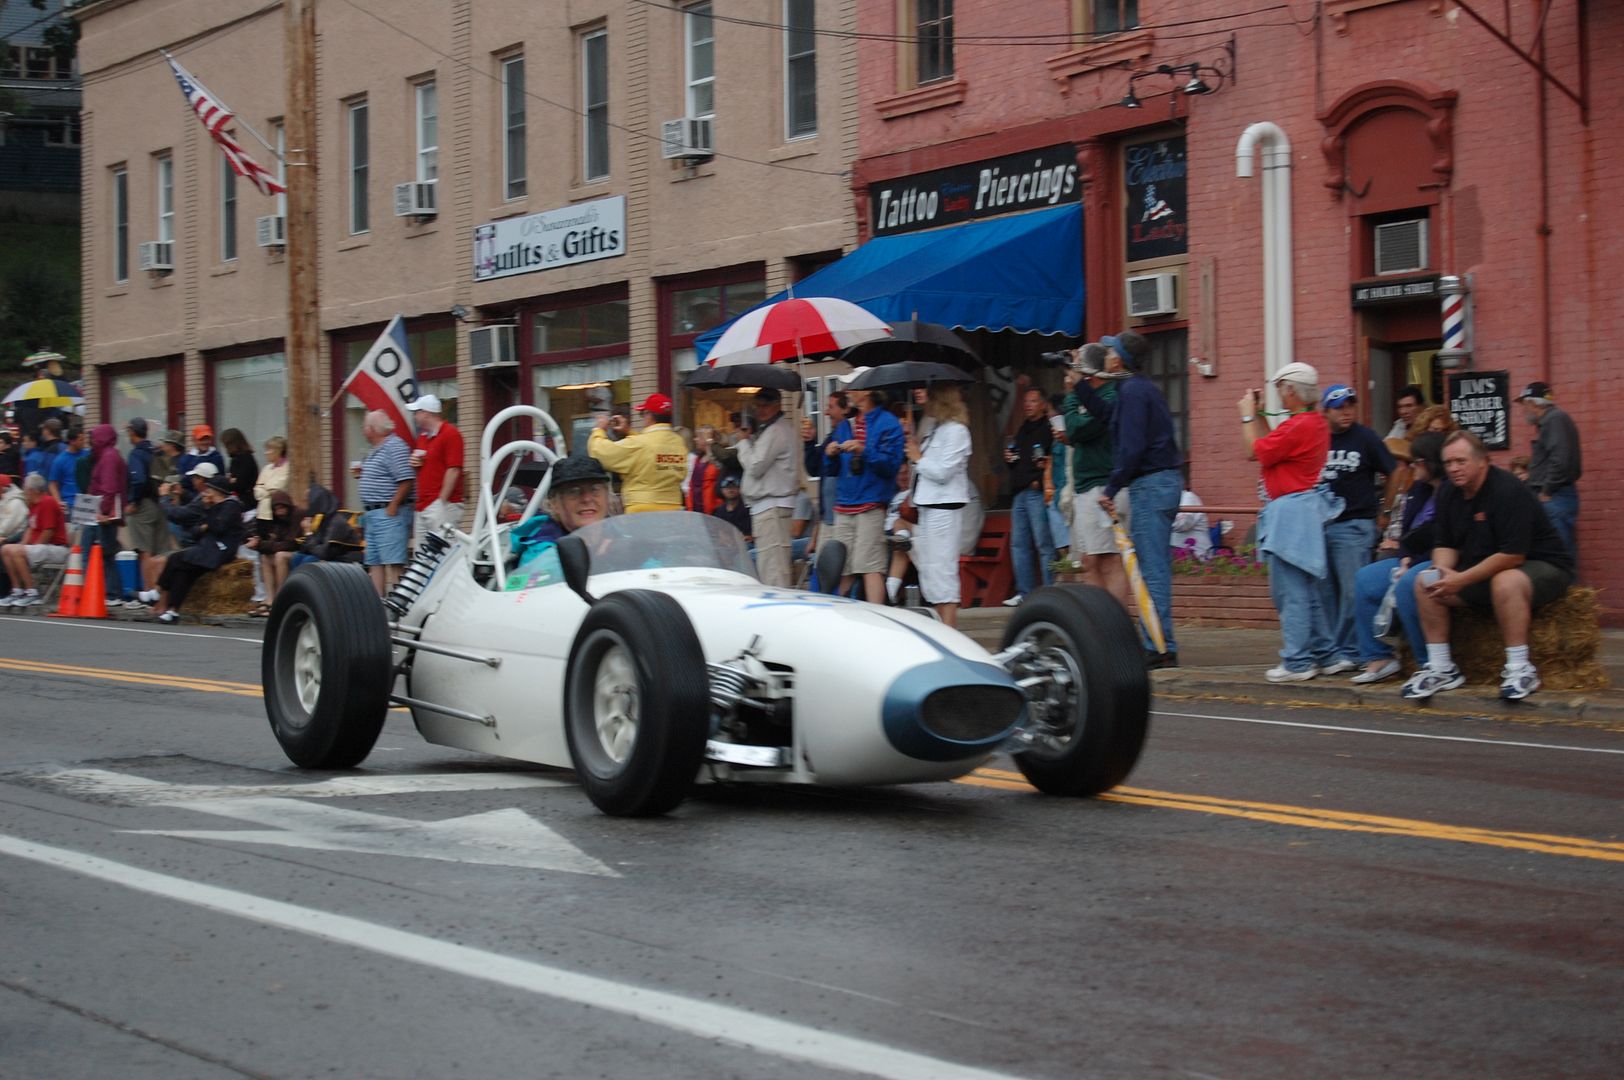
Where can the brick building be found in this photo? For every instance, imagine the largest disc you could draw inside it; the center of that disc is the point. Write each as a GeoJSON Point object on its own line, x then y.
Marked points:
{"type": "Point", "coordinates": [1420, 146]}
{"type": "Point", "coordinates": [452, 135]}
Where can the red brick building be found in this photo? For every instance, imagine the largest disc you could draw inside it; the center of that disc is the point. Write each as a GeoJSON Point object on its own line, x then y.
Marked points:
{"type": "Point", "coordinates": [1423, 145]}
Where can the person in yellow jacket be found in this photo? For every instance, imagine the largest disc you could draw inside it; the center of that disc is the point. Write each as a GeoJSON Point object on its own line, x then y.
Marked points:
{"type": "Point", "coordinates": [651, 463]}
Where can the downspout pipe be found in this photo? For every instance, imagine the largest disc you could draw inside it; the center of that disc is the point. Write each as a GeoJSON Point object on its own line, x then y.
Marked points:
{"type": "Point", "coordinates": [1268, 141]}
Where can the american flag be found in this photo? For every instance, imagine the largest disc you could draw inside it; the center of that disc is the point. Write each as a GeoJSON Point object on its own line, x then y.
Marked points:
{"type": "Point", "coordinates": [216, 118]}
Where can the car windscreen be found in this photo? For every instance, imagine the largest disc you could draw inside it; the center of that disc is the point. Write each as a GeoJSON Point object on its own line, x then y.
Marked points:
{"type": "Point", "coordinates": [665, 539]}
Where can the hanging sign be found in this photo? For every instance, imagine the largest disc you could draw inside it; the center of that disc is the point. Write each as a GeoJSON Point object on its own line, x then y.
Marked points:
{"type": "Point", "coordinates": [1400, 291]}
{"type": "Point", "coordinates": [1026, 181]}
{"type": "Point", "coordinates": [1480, 402]}
{"type": "Point", "coordinates": [1153, 174]}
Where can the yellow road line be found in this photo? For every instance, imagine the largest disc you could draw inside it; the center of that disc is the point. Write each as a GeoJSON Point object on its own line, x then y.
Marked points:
{"type": "Point", "coordinates": [179, 682]}
{"type": "Point", "coordinates": [1342, 821]}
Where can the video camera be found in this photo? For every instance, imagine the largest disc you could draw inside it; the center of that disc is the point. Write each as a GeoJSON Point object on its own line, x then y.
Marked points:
{"type": "Point", "coordinates": [1058, 359]}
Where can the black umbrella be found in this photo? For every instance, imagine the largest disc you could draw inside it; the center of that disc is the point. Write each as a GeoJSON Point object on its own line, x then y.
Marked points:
{"type": "Point", "coordinates": [908, 373]}
{"type": "Point", "coordinates": [914, 340]}
{"type": "Point", "coordinates": [777, 376]}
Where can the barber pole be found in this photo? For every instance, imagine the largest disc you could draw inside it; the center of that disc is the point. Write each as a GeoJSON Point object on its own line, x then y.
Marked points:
{"type": "Point", "coordinates": [1454, 291]}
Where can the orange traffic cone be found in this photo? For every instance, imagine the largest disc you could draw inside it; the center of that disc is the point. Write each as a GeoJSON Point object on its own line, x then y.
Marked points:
{"type": "Point", "coordinates": [73, 582]}
{"type": "Point", "coordinates": [93, 600]}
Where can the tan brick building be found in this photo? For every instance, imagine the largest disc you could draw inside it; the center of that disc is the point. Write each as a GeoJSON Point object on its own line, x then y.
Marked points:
{"type": "Point", "coordinates": [534, 130]}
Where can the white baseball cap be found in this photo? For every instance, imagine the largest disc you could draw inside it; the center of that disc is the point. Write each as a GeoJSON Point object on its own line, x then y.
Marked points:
{"type": "Point", "coordinates": [208, 470]}
{"type": "Point", "coordinates": [850, 376]}
{"type": "Point", "coordinates": [1301, 374]}
{"type": "Point", "coordinates": [426, 403]}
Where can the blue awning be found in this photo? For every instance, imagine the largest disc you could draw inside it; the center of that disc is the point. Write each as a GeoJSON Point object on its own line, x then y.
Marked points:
{"type": "Point", "coordinates": [1022, 273]}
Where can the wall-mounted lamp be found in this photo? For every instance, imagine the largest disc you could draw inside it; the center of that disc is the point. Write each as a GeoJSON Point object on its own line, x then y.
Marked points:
{"type": "Point", "coordinates": [1187, 79]}
{"type": "Point", "coordinates": [461, 314]}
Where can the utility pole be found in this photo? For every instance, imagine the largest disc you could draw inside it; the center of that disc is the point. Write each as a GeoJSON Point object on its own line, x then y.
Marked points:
{"type": "Point", "coordinates": [303, 343]}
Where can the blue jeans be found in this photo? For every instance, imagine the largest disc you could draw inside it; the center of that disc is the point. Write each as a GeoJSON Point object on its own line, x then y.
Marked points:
{"type": "Point", "coordinates": [1029, 537]}
{"type": "Point", "coordinates": [1563, 510]}
{"type": "Point", "coordinates": [1348, 545]}
{"type": "Point", "coordinates": [1371, 585]}
{"type": "Point", "coordinates": [1305, 633]}
{"type": "Point", "coordinates": [1154, 498]}
{"type": "Point", "coordinates": [826, 498]}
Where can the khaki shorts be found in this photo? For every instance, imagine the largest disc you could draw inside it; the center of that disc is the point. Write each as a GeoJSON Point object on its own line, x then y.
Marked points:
{"type": "Point", "coordinates": [40, 554]}
{"type": "Point", "coordinates": [148, 530]}
{"type": "Point", "coordinates": [864, 537]}
{"type": "Point", "coordinates": [1549, 584]}
{"type": "Point", "coordinates": [1091, 532]}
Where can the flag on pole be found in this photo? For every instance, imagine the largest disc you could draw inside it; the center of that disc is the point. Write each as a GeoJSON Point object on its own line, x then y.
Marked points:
{"type": "Point", "coordinates": [216, 118]}
{"type": "Point", "coordinates": [385, 379]}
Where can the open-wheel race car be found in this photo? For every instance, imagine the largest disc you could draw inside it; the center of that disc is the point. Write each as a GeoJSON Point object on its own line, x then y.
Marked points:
{"type": "Point", "coordinates": [643, 652]}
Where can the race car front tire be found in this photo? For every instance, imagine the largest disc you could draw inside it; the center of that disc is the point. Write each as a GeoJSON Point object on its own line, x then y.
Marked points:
{"type": "Point", "coordinates": [326, 667]}
{"type": "Point", "coordinates": [1110, 708]}
{"type": "Point", "coordinates": [636, 704]}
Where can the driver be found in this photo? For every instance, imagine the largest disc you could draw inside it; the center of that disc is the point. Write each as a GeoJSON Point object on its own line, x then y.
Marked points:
{"type": "Point", "coordinates": [577, 496]}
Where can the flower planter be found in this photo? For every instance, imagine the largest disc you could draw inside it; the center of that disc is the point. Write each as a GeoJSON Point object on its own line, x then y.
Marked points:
{"type": "Point", "coordinates": [1220, 600]}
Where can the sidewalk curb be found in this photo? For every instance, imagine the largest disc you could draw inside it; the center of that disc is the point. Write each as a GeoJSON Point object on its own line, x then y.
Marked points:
{"type": "Point", "coordinates": [1242, 685]}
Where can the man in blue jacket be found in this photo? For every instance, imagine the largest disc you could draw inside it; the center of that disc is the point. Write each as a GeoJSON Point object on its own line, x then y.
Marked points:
{"type": "Point", "coordinates": [1148, 463]}
{"type": "Point", "coordinates": [869, 445]}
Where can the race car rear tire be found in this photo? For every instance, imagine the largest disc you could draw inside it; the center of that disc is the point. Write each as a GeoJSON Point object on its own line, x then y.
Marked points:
{"type": "Point", "coordinates": [636, 704]}
{"type": "Point", "coordinates": [326, 667]}
{"type": "Point", "coordinates": [1111, 705]}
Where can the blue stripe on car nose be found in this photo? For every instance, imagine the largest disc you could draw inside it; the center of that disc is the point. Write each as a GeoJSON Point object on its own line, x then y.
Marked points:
{"type": "Point", "coordinates": [902, 713]}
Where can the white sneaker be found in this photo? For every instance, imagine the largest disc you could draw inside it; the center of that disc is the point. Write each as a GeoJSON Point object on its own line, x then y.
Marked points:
{"type": "Point", "coordinates": [1388, 669]}
{"type": "Point", "coordinates": [135, 605]}
{"type": "Point", "coordinates": [169, 617]}
{"type": "Point", "coordinates": [1014, 601]}
{"type": "Point", "coordinates": [8, 601]}
{"type": "Point", "coordinates": [1518, 682]}
{"type": "Point", "coordinates": [29, 599]}
{"type": "Point", "coordinates": [1283, 674]}
{"type": "Point", "coordinates": [1426, 682]}
{"type": "Point", "coordinates": [1337, 667]}
{"type": "Point", "coordinates": [147, 596]}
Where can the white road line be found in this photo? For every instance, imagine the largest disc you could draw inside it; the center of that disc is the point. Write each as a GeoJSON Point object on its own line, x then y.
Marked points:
{"type": "Point", "coordinates": [1394, 734]}
{"type": "Point", "coordinates": [779, 1038]}
{"type": "Point", "coordinates": [37, 621]}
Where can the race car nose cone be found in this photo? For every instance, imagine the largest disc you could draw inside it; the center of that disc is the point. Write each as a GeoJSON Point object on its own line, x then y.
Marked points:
{"type": "Point", "coordinates": [951, 709]}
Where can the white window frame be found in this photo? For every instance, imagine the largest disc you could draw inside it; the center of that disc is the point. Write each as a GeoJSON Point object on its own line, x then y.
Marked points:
{"type": "Point", "coordinates": [166, 197]}
{"type": "Point", "coordinates": [427, 129]}
{"type": "Point", "coordinates": [594, 113]}
{"type": "Point", "coordinates": [691, 17]}
{"type": "Point", "coordinates": [228, 211]}
{"type": "Point", "coordinates": [360, 166]}
{"type": "Point", "coordinates": [121, 223]}
{"type": "Point", "coordinates": [515, 174]}
{"type": "Point", "coordinates": [790, 58]}
{"type": "Point", "coordinates": [280, 137]}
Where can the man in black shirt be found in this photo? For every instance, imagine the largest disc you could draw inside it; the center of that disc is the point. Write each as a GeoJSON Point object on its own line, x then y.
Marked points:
{"type": "Point", "coordinates": [1496, 550]}
{"type": "Point", "coordinates": [1356, 458]}
{"type": "Point", "coordinates": [1027, 454]}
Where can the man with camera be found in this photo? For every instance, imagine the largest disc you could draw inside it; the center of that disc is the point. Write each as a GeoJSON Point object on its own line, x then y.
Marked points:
{"type": "Point", "coordinates": [651, 463]}
{"type": "Point", "coordinates": [1093, 538]}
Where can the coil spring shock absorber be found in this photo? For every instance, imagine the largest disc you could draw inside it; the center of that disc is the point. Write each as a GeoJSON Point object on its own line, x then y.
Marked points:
{"type": "Point", "coordinates": [415, 578]}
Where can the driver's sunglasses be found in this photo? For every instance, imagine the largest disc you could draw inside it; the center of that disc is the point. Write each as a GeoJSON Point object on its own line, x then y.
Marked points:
{"type": "Point", "coordinates": [1341, 397]}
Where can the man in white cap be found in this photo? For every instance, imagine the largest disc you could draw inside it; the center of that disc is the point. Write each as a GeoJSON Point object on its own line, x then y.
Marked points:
{"type": "Point", "coordinates": [1291, 528]}
{"type": "Point", "coordinates": [438, 461]}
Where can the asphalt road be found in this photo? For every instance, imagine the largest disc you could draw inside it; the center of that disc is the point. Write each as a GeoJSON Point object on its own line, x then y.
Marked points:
{"type": "Point", "coordinates": [1277, 893]}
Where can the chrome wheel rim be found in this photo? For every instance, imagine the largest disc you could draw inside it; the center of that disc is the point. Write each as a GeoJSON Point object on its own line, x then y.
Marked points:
{"type": "Point", "coordinates": [307, 666]}
{"type": "Point", "coordinates": [1057, 706]}
{"type": "Point", "coordinates": [615, 703]}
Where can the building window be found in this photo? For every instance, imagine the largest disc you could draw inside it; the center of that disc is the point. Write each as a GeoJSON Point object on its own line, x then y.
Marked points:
{"type": "Point", "coordinates": [595, 105]}
{"type": "Point", "coordinates": [121, 224]}
{"type": "Point", "coordinates": [228, 211]}
{"type": "Point", "coordinates": [139, 389]}
{"type": "Point", "coordinates": [933, 28]}
{"type": "Point", "coordinates": [701, 60]}
{"type": "Point", "coordinates": [580, 361]}
{"type": "Point", "coordinates": [40, 63]}
{"type": "Point", "coordinates": [1169, 368]}
{"type": "Point", "coordinates": [251, 392]}
{"type": "Point", "coordinates": [359, 158]}
{"type": "Point", "coordinates": [688, 307]}
{"type": "Point", "coordinates": [280, 138]}
{"type": "Point", "coordinates": [166, 198]}
{"type": "Point", "coordinates": [1107, 16]}
{"type": "Point", "coordinates": [428, 133]}
{"type": "Point", "coordinates": [800, 70]}
{"type": "Point", "coordinates": [11, 61]}
{"type": "Point", "coordinates": [64, 132]}
{"type": "Point", "coordinates": [513, 170]}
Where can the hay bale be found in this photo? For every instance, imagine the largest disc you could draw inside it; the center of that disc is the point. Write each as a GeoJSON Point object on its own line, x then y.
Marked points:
{"type": "Point", "coordinates": [1564, 643]}
{"type": "Point", "coordinates": [226, 591]}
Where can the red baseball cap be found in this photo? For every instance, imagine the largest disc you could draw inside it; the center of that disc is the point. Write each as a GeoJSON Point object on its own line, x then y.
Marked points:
{"type": "Point", "coordinates": [657, 403]}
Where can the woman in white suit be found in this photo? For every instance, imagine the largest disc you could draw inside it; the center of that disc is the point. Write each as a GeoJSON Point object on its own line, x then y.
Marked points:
{"type": "Point", "coordinates": [941, 489]}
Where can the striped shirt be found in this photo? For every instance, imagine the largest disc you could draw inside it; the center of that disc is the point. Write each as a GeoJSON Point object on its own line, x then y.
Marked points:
{"type": "Point", "coordinates": [389, 463]}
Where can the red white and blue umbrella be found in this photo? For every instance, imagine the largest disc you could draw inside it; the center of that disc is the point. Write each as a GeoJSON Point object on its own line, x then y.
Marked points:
{"type": "Point", "coordinates": [797, 329]}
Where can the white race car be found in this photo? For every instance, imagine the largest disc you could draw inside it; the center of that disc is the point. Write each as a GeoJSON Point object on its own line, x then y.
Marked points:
{"type": "Point", "coordinates": [649, 657]}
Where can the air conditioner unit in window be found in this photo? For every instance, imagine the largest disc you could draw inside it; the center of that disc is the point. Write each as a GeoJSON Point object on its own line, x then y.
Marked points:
{"type": "Point", "coordinates": [415, 199]}
{"type": "Point", "coordinates": [688, 137]}
{"type": "Point", "coordinates": [1153, 294]}
{"type": "Point", "coordinates": [493, 346]}
{"type": "Point", "coordinates": [271, 231]}
{"type": "Point", "coordinates": [156, 256]}
{"type": "Point", "coordinates": [1401, 247]}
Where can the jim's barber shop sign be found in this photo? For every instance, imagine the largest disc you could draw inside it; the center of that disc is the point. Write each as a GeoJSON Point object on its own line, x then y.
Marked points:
{"type": "Point", "coordinates": [985, 189]}
{"type": "Point", "coordinates": [1153, 175]}
{"type": "Point", "coordinates": [1480, 402]}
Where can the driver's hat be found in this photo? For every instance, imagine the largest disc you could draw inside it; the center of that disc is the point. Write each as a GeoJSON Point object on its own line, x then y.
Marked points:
{"type": "Point", "coordinates": [576, 469]}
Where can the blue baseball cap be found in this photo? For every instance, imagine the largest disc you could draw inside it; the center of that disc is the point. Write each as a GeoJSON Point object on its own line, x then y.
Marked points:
{"type": "Point", "coordinates": [1338, 394]}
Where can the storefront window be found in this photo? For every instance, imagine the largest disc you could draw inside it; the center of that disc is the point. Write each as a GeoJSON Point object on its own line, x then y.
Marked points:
{"type": "Point", "coordinates": [251, 394]}
{"type": "Point", "coordinates": [583, 327]}
{"type": "Point", "coordinates": [574, 394]}
{"type": "Point", "coordinates": [1169, 369]}
{"type": "Point", "coordinates": [138, 393]}
{"type": "Point", "coordinates": [691, 307]}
